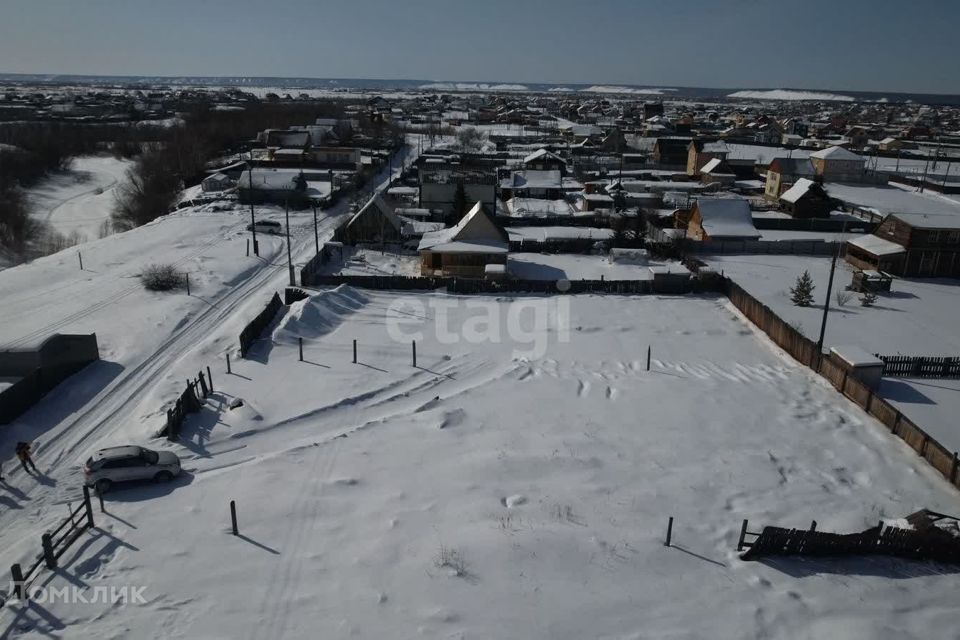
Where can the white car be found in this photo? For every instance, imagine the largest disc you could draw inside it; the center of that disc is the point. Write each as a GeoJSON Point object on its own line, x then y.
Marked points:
{"type": "Point", "coordinates": [122, 464]}
{"type": "Point", "coordinates": [271, 227]}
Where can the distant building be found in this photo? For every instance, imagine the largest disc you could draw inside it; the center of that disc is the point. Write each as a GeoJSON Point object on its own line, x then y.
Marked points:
{"type": "Point", "coordinates": [806, 199]}
{"type": "Point", "coordinates": [700, 153]}
{"type": "Point", "coordinates": [836, 164]}
{"type": "Point", "coordinates": [671, 152]}
{"type": "Point", "coordinates": [721, 219]}
{"type": "Point", "coordinates": [782, 173]}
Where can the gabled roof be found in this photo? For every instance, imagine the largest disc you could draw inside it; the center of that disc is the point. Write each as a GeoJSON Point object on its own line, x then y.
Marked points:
{"type": "Point", "coordinates": [791, 166]}
{"type": "Point", "coordinates": [835, 153]}
{"type": "Point", "coordinates": [797, 191]}
{"type": "Point", "coordinates": [716, 166]}
{"type": "Point", "coordinates": [726, 218]}
{"type": "Point", "coordinates": [542, 154]}
{"type": "Point", "coordinates": [475, 233]}
{"type": "Point", "coordinates": [877, 246]}
{"type": "Point", "coordinates": [376, 203]}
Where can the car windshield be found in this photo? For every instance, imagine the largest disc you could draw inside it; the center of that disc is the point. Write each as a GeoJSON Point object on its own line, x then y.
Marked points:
{"type": "Point", "coordinates": [150, 456]}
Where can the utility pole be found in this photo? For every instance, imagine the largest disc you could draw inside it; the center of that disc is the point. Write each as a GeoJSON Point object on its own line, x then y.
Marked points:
{"type": "Point", "coordinates": [826, 305]}
{"type": "Point", "coordinates": [286, 210]}
{"type": "Point", "coordinates": [316, 232]}
{"type": "Point", "coordinates": [253, 221]}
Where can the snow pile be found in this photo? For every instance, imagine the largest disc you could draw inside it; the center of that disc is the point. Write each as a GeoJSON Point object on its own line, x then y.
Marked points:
{"type": "Point", "coordinates": [605, 88]}
{"type": "Point", "coordinates": [790, 94]}
{"type": "Point", "coordinates": [318, 315]}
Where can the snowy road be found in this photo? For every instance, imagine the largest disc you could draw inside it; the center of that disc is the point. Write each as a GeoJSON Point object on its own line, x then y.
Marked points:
{"type": "Point", "coordinates": [145, 339]}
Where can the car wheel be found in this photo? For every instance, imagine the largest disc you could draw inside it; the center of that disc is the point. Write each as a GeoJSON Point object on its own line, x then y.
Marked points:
{"type": "Point", "coordinates": [163, 476]}
{"type": "Point", "coordinates": [102, 486]}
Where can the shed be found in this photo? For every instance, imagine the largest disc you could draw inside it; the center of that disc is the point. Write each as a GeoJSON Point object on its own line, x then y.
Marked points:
{"type": "Point", "coordinates": [721, 219]}
{"type": "Point", "coordinates": [860, 364]}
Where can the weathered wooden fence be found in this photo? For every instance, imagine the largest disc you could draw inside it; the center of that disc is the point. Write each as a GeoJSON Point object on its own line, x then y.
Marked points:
{"type": "Point", "coordinates": [879, 540]}
{"type": "Point", "coordinates": [805, 351]}
{"type": "Point", "coordinates": [256, 326]}
{"type": "Point", "coordinates": [921, 366]}
{"type": "Point", "coordinates": [55, 543]}
{"type": "Point", "coordinates": [188, 402]}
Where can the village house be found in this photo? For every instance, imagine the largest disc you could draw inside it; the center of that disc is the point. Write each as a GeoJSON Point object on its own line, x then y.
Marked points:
{"type": "Point", "coordinates": [376, 222]}
{"type": "Point", "coordinates": [717, 171]}
{"type": "Point", "coordinates": [806, 199]}
{"type": "Point", "coordinates": [439, 184]}
{"type": "Point", "coordinates": [910, 244]}
{"type": "Point", "coordinates": [783, 173]}
{"type": "Point", "coordinates": [700, 153]}
{"type": "Point", "coordinates": [464, 250]}
{"type": "Point", "coordinates": [671, 152]}
{"type": "Point", "coordinates": [721, 219]}
{"type": "Point", "coordinates": [533, 184]}
{"type": "Point", "coordinates": [544, 160]}
{"type": "Point", "coordinates": [837, 164]}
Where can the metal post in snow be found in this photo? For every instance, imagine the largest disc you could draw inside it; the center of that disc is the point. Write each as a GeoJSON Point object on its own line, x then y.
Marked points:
{"type": "Point", "coordinates": [669, 531]}
{"type": "Point", "coordinates": [743, 534]}
{"type": "Point", "coordinates": [88, 506]}
{"type": "Point", "coordinates": [648, 357]}
{"type": "Point", "coordinates": [316, 231]}
{"type": "Point", "coordinates": [233, 517]}
{"type": "Point", "coordinates": [413, 343]}
{"type": "Point", "coordinates": [80, 258]}
{"type": "Point", "coordinates": [17, 574]}
{"type": "Point", "coordinates": [210, 379]}
{"type": "Point", "coordinates": [188, 284]}
{"type": "Point", "coordinates": [300, 340]}
{"type": "Point", "coordinates": [354, 351]}
{"type": "Point", "coordinates": [228, 364]}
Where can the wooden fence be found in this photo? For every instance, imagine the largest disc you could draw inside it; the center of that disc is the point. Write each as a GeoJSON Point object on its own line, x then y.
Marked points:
{"type": "Point", "coordinates": [188, 402]}
{"type": "Point", "coordinates": [256, 326]}
{"type": "Point", "coordinates": [55, 543]}
{"type": "Point", "coordinates": [921, 366]}
{"type": "Point", "coordinates": [805, 351]}
{"type": "Point", "coordinates": [879, 540]}
{"type": "Point", "coordinates": [669, 285]}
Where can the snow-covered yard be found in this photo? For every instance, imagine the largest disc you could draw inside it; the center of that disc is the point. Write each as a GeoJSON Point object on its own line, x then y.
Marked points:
{"type": "Point", "coordinates": [516, 487]}
{"type": "Point", "coordinates": [79, 200]}
{"type": "Point", "coordinates": [542, 266]}
{"type": "Point", "coordinates": [917, 318]}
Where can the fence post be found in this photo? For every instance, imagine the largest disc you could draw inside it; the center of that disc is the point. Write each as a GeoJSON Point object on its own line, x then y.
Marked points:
{"type": "Point", "coordinates": [648, 357]}
{"type": "Point", "coordinates": [210, 379]}
{"type": "Point", "coordinates": [103, 509]}
{"type": "Point", "coordinates": [743, 534]}
{"type": "Point", "coordinates": [48, 557]}
{"type": "Point", "coordinates": [17, 574]}
{"type": "Point", "coordinates": [248, 247]}
{"type": "Point", "coordinates": [669, 531]}
{"type": "Point", "coordinates": [228, 363]}
{"type": "Point", "coordinates": [88, 507]}
{"type": "Point", "coordinates": [203, 384]}
{"type": "Point", "coordinates": [300, 341]}
{"type": "Point", "coordinates": [413, 343]}
{"type": "Point", "coordinates": [354, 351]}
{"type": "Point", "coordinates": [233, 516]}
{"type": "Point", "coordinates": [80, 258]}
{"type": "Point", "coordinates": [188, 284]}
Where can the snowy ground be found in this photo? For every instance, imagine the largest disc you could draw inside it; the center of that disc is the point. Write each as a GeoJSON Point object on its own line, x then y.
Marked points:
{"type": "Point", "coordinates": [373, 262]}
{"type": "Point", "coordinates": [550, 472]}
{"type": "Point", "coordinates": [918, 318]}
{"type": "Point", "coordinates": [79, 201]}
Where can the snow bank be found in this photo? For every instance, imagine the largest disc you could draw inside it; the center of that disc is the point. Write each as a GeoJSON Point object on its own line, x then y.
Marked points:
{"type": "Point", "coordinates": [605, 88]}
{"type": "Point", "coordinates": [472, 86]}
{"type": "Point", "coordinates": [318, 315]}
{"type": "Point", "coordinates": [789, 94]}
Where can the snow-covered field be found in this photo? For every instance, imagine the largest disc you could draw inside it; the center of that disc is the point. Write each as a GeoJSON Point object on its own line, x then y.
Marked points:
{"type": "Point", "coordinates": [79, 200]}
{"type": "Point", "coordinates": [541, 266]}
{"type": "Point", "coordinates": [516, 487]}
{"type": "Point", "coordinates": [917, 318]}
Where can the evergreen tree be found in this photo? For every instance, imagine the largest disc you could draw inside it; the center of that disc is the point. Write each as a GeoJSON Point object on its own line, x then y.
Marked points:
{"type": "Point", "coordinates": [802, 292]}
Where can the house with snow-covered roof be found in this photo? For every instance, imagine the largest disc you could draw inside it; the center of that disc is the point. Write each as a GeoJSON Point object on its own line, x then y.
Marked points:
{"type": "Point", "coordinates": [806, 199]}
{"type": "Point", "coordinates": [544, 160]}
{"type": "Point", "coordinates": [910, 244]}
{"type": "Point", "coordinates": [782, 173]}
{"type": "Point", "coordinates": [837, 164]}
{"type": "Point", "coordinates": [375, 222]}
{"type": "Point", "coordinates": [721, 219]}
{"type": "Point", "coordinates": [465, 249]}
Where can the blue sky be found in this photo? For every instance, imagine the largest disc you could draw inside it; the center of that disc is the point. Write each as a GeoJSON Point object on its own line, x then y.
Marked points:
{"type": "Point", "coordinates": [867, 45]}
